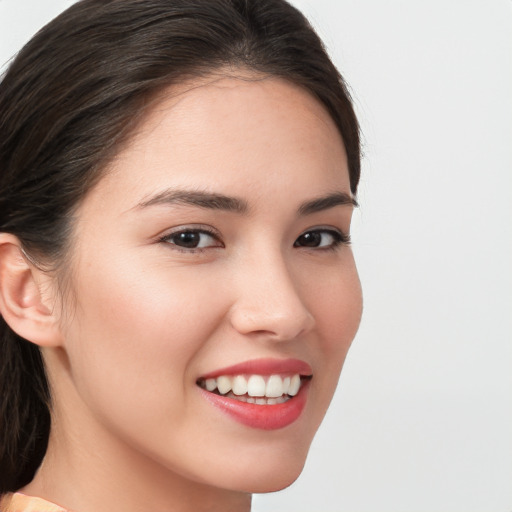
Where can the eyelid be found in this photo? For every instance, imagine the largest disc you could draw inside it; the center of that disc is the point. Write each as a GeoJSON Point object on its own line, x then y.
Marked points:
{"type": "Point", "coordinates": [189, 227]}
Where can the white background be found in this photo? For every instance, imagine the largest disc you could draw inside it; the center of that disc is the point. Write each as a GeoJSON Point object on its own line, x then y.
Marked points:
{"type": "Point", "coordinates": [422, 420]}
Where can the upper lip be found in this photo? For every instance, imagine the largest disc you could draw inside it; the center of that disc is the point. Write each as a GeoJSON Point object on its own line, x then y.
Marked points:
{"type": "Point", "coordinates": [263, 367]}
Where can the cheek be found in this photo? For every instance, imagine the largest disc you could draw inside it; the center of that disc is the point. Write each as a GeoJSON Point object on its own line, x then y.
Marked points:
{"type": "Point", "coordinates": [343, 309]}
{"type": "Point", "coordinates": [337, 305]}
{"type": "Point", "coordinates": [336, 302]}
{"type": "Point", "coordinates": [134, 336]}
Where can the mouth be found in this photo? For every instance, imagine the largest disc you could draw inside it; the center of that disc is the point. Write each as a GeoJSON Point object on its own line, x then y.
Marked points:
{"type": "Point", "coordinates": [255, 389]}
{"type": "Point", "coordinates": [263, 394]}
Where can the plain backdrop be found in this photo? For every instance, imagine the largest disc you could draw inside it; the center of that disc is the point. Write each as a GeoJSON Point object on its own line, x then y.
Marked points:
{"type": "Point", "coordinates": [422, 419]}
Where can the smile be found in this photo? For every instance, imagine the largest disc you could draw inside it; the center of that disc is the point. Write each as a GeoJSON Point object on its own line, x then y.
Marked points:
{"type": "Point", "coordinates": [255, 389]}
{"type": "Point", "coordinates": [263, 394]}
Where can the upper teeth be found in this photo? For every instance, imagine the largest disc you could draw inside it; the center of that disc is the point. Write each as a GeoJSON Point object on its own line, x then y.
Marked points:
{"type": "Point", "coordinates": [272, 386]}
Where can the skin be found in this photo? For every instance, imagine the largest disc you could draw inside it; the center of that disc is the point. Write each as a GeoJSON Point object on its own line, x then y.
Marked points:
{"type": "Point", "coordinates": [131, 430]}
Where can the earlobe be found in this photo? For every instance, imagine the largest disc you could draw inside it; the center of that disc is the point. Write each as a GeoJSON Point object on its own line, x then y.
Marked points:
{"type": "Point", "coordinates": [22, 303]}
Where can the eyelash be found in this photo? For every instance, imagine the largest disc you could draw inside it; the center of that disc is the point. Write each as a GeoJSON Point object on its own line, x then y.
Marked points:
{"type": "Point", "coordinates": [338, 239]}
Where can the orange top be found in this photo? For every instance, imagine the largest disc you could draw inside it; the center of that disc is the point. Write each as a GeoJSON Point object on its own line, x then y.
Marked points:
{"type": "Point", "coordinates": [17, 502]}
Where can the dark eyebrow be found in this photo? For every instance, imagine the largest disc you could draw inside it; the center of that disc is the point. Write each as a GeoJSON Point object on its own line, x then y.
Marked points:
{"type": "Point", "coordinates": [197, 198]}
{"type": "Point", "coordinates": [233, 204]}
{"type": "Point", "coordinates": [326, 202]}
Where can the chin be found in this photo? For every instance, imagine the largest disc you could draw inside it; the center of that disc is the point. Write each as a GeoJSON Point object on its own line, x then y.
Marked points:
{"type": "Point", "coordinates": [267, 485]}
{"type": "Point", "coordinates": [270, 476]}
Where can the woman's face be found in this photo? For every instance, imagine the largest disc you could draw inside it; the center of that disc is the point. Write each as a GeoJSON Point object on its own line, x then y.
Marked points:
{"type": "Point", "coordinates": [211, 269]}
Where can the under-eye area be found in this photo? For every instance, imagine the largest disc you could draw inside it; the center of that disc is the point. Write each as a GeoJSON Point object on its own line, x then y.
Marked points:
{"type": "Point", "coordinates": [256, 389]}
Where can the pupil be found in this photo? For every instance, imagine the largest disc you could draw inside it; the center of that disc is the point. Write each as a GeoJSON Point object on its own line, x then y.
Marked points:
{"type": "Point", "coordinates": [310, 239]}
{"type": "Point", "coordinates": [189, 240]}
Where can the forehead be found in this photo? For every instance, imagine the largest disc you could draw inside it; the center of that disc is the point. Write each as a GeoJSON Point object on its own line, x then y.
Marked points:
{"type": "Point", "coordinates": [238, 134]}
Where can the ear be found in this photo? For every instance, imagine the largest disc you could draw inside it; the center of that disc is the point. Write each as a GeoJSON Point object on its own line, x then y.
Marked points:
{"type": "Point", "coordinates": [26, 302]}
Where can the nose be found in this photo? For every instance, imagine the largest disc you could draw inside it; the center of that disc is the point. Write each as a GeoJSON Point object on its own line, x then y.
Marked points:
{"type": "Point", "coordinates": [269, 302]}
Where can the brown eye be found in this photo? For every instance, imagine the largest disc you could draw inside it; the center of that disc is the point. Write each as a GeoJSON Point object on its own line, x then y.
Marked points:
{"type": "Point", "coordinates": [192, 239]}
{"type": "Point", "coordinates": [310, 239]}
{"type": "Point", "coordinates": [189, 240]}
{"type": "Point", "coordinates": [321, 238]}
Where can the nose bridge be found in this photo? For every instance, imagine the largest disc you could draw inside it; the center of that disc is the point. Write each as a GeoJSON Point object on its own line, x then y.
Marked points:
{"type": "Point", "coordinates": [268, 300]}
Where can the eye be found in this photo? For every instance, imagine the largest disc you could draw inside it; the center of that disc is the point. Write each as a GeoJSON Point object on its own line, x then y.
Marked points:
{"type": "Point", "coordinates": [322, 239]}
{"type": "Point", "coordinates": [192, 239]}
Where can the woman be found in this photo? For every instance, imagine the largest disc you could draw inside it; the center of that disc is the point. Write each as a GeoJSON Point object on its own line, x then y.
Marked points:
{"type": "Point", "coordinates": [177, 287]}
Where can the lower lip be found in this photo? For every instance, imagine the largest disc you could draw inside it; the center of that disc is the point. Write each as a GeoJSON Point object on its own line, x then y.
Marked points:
{"type": "Point", "coordinates": [264, 417]}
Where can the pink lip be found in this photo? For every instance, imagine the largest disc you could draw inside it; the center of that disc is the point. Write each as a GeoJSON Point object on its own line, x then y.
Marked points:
{"type": "Point", "coordinates": [264, 417]}
{"type": "Point", "coordinates": [263, 367]}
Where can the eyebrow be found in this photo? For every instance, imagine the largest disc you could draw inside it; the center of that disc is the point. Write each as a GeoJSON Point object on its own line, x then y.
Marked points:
{"type": "Point", "coordinates": [201, 199]}
{"type": "Point", "coordinates": [214, 201]}
{"type": "Point", "coordinates": [329, 201]}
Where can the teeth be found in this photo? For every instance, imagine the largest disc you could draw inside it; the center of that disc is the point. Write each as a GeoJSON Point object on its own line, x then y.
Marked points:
{"type": "Point", "coordinates": [258, 400]}
{"type": "Point", "coordinates": [286, 385]}
{"type": "Point", "coordinates": [274, 386]}
{"type": "Point", "coordinates": [256, 386]}
{"type": "Point", "coordinates": [210, 384]}
{"type": "Point", "coordinates": [258, 389]}
{"type": "Point", "coordinates": [239, 385]}
{"type": "Point", "coordinates": [294, 385]}
{"type": "Point", "coordinates": [223, 384]}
